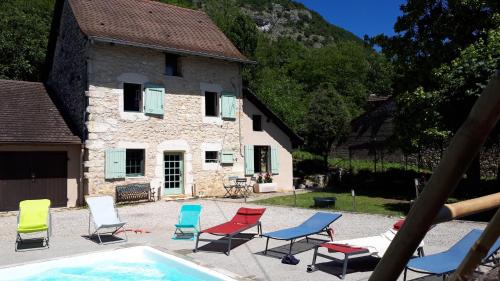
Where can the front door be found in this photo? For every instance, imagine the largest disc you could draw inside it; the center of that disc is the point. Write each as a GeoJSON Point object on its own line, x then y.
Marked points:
{"type": "Point", "coordinates": [174, 173]}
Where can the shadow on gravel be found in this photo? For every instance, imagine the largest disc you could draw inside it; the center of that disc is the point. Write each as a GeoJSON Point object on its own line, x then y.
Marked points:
{"type": "Point", "coordinates": [360, 264]}
{"type": "Point", "coordinates": [298, 247]}
{"type": "Point", "coordinates": [106, 238]}
{"type": "Point", "coordinates": [221, 244]}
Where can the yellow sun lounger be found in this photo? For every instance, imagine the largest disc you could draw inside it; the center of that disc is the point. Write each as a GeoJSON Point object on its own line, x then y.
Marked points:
{"type": "Point", "coordinates": [34, 216]}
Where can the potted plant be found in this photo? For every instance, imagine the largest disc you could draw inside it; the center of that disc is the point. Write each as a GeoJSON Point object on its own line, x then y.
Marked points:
{"type": "Point", "coordinates": [265, 184]}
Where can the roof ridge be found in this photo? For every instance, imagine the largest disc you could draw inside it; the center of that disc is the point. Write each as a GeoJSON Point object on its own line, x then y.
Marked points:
{"type": "Point", "coordinates": [20, 81]}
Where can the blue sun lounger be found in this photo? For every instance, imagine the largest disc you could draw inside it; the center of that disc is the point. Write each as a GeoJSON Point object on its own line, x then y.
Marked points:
{"type": "Point", "coordinates": [316, 224]}
{"type": "Point", "coordinates": [446, 262]}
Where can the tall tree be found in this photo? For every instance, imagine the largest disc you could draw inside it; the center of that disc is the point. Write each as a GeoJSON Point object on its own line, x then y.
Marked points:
{"type": "Point", "coordinates": [327, 122]}
{"type": "Point", "coordinates": [432, 32]}
{"type": "Point", "coordinates": [437, 81]}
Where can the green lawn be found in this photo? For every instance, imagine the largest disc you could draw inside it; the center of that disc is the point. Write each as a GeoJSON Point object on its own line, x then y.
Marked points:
{"type": "Point", "coordinates": [364, 204]}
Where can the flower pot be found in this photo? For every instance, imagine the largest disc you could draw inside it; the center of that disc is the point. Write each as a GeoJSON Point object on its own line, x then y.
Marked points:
{"type": "Point", "coordinates": [265, 187]}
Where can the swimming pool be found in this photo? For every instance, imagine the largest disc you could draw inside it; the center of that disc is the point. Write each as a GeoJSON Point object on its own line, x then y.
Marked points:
{"type": "Point", "coordinates": [135, 263]}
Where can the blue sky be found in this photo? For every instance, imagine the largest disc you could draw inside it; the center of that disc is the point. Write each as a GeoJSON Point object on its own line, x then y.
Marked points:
{"type": "Point", "coordinates": [360, 17]}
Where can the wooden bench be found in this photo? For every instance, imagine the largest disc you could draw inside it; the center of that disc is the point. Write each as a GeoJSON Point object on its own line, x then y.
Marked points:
{"type": "Point", "coordinates": [134, 192]}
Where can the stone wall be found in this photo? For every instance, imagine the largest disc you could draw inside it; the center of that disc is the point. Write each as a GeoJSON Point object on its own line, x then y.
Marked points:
{"type": "Point", "coordinates": [68, 74]}
{"type": "Point", "coordinates": [182, 128]}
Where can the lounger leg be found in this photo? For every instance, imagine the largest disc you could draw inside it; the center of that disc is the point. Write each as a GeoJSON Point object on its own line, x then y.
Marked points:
{"type": "Point", "coordinates": [421, 252]}
{"type": "Point", "coordinates": [344, 267]}
{"type": "Point", "coordinates": [315, 256]}
{"type": "Point", "coordinates": [197, 240]}
{"type": "Point", "coordinates": [291, 244]}
{"type": "Point", "coordinates": [404, 274]}
{"type": "Point", "coordinates": [307, 239]}
{"type": "Point", "coordinates": [229, 246]}
{"type": "Point", "coordinates": [267, 243]}
{"type": "Point", "coordinates": [47, 240]}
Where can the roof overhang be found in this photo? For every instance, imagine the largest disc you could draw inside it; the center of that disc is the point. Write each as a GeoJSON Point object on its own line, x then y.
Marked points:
{"type": "Point", "coordinates": [169, 50]}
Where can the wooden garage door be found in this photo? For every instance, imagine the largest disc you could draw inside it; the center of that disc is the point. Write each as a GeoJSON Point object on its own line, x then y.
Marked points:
{"type": "Point", "coordinates": [32, 175]}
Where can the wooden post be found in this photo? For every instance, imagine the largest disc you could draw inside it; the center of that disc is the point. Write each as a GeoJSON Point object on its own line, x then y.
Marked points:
{"type": "Point", "coordinates": [460, 153]}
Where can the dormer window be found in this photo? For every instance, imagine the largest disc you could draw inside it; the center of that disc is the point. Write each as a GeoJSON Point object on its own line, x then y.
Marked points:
{"type": "Point", "coordinates": [172, 66]}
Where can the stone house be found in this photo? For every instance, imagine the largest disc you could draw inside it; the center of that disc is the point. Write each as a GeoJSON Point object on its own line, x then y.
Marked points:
{"type": "Point", "coordinates": [155, 92]}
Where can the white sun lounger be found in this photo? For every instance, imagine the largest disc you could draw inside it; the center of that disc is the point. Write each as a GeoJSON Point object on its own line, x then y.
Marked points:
{"type": "Point", "coordinates": [375, 246]}
{"type": "Point", "coordinates": [105, 216]}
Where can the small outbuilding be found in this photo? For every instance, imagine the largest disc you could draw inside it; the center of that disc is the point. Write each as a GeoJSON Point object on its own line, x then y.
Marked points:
{"type": "Point", "coordinates": [39, 152]}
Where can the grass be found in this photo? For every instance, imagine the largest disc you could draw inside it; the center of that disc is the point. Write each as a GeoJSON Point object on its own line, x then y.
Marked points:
{"type": "Point", "coordinates": [364, 204]}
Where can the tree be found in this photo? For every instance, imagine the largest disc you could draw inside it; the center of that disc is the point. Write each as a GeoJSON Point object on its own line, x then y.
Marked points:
{"type": "Point", "coordinates": [24, 26]}
{"type": "Point", "coordinates": [327, 122]}
{"type": "Point", "coordinates": [440, 69]}
{"type": "Point", "coordinates": [432, 32]}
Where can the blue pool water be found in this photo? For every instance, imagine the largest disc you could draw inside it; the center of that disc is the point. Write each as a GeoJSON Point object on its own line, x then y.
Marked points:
{"type": "Point", "coordinates": [134, 263]}
{"type": "Point", "coordinates": [123, 271]}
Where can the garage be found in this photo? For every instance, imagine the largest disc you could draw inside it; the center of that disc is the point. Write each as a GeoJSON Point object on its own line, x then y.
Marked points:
{"type": "Point", "coordinates": [33, 175]}
{"type": "Point", "coordinates": [40, 155]}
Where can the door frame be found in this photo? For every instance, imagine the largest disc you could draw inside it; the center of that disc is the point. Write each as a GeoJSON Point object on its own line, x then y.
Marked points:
{"type": "Point", "coordinates": [166, 191]}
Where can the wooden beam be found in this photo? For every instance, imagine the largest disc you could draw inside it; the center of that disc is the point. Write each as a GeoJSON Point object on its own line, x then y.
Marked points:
{"type": "Point", "coordinates": [468, 207]}
{"type": "Point", "coordinates": [463, 148]}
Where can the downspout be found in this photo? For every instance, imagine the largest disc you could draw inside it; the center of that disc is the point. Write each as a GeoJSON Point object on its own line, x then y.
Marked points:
{"type": "Point", "coordinates": [80, 184]}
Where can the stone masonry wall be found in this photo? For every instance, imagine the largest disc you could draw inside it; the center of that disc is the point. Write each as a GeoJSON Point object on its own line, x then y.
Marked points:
{"type": "Point", "coordinates": [68, 76]}
{"type": "Point", "coordinates": [182, 128]}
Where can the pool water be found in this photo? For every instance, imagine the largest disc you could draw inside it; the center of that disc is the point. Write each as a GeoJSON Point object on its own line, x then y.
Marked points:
{"type": "Point", "coordinates": [137, 263]}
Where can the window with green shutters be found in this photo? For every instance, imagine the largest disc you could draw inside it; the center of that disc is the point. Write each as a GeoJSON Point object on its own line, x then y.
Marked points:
{"type": "Point", "coordinates": [228, 105]}
{"type": "Point", "coordinates": [275, 165]}
{"type": "Point", "coordinates": [153, 99]}
{"type": "Point", "coordinates": [249, 160]}
{"type": "Point", "coordinates": [227, 157]}
{"type": "Point", "coordinates": [115, 163]}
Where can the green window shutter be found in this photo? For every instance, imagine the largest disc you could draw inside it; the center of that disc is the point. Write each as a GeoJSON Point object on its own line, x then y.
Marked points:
{"type": "Point", "coordinates": [153, 99]}
{"type": "Point", "coordinates": [275, 163]}
{"type": "Point", "coordinates": [249, 162]}
{"type": "Point", "coordinates": [115, 163]}
{"type": "Point", "coordinates": [228, 105]}
{"type": "Point", "coordinates": [227, 157]}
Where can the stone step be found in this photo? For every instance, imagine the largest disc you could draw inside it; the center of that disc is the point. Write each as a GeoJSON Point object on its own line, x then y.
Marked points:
{"type": "Point", "coordinates": [176, 197]}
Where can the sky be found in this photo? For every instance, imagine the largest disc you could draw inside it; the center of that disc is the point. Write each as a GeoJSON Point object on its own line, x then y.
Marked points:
{"type": "Point", "coordinates": [360, 17]}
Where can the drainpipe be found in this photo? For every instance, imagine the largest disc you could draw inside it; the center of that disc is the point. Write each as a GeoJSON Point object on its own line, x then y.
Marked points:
{"type": "Point", "coordinates": [80, 184]}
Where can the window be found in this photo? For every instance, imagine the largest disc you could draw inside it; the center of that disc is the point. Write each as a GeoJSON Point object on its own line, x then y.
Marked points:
{"type": "Point", "coordinates": [211, 104]}
{"type": "Point", "coordinates": [257, 122]}
{"type": "Point", "coordinates": [132, 97]}
{"type": "Point", "coordinates": [211, 157]}
{"type": "Point", "coordinates": [172, 65]}
{"type": "Point", "coordinates": [134, 162]}
{"type": "Point", "coordinates": [261, 159]}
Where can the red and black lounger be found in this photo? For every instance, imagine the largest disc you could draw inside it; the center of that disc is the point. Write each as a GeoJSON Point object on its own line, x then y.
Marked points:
{"type": "Point", "coordinates": [244, 219]}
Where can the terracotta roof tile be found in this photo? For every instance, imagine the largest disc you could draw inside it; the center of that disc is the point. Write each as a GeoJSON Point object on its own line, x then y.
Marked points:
{"type": "Point", "coordinates": [28, 115]}
{"type": "Point", "coordinates": [153, 24]}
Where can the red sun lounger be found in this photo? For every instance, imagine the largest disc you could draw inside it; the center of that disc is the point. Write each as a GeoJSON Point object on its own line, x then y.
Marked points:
{"type": "Point", "coordinates": [244, 219]}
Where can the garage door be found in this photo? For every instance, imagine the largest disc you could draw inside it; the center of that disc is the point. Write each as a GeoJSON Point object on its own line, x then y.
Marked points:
{"type": "Point", "coordinates": [32, 175]}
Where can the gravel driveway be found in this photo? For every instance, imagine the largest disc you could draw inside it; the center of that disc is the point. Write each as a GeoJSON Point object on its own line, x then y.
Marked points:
{"type": "Point", "coordinates": [246, 259]}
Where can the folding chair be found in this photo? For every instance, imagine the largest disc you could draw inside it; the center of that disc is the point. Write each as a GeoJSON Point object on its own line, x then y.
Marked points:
{"type": "Point", "coordinates": [105, 215]}
{"type": "Point", "coordinates": [189, 219]}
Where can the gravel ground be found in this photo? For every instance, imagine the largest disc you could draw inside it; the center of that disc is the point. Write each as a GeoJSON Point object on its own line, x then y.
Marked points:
{"type": "Point", "coordinates": [246, 259]}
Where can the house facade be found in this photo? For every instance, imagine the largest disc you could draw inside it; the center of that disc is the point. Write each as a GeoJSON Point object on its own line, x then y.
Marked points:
{"type": "Point", "coordinates": [155, 92]}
